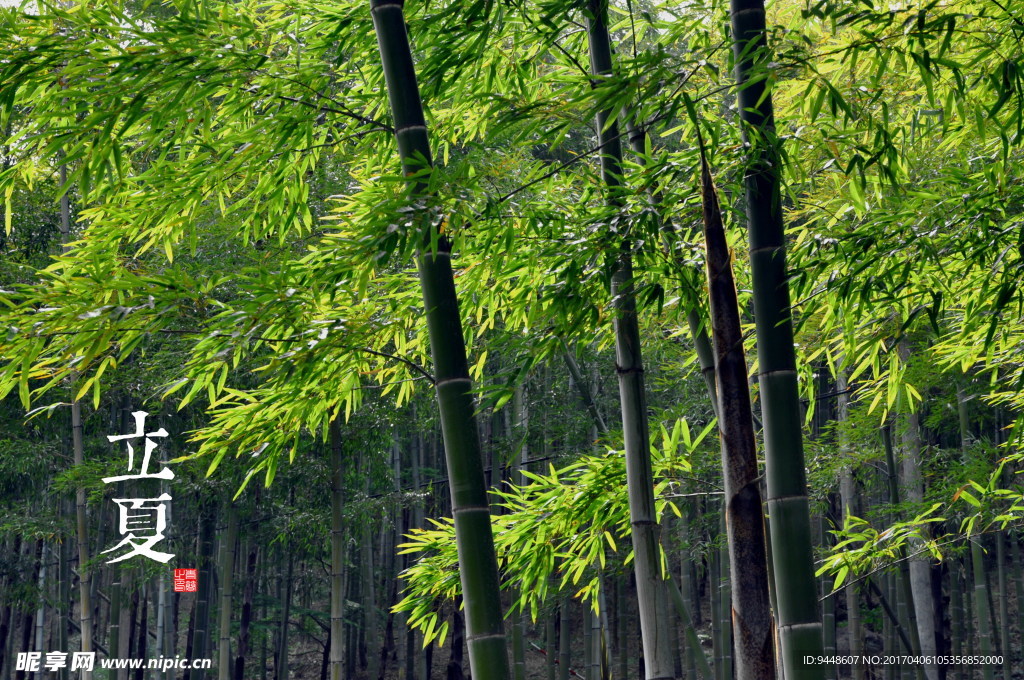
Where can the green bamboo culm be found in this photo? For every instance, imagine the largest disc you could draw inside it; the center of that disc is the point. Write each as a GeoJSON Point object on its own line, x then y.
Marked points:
{"type": "Point", "coordinates": [652, 595]}
{"type": "Point", "coordinates": [789, 515]}
{"type": "Point", "coordinates": [698, 329]}
{"type": "Point", "coordinates": [478, 567]}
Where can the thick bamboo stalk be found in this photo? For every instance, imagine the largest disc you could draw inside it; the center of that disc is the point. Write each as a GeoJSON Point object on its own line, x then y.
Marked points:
{"type": "Point", "coordinates": [788, 511]}
{"type": "Point", "coordinates": [654, 618]}
{"type": "Point", "coordinates": [744, 518]}
{"type": "Point", "coordinates": [478, 569]}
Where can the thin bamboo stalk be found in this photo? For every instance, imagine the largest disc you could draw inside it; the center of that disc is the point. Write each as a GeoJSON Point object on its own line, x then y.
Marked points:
{"type": "Point", "coordinates": [81, 519]}
{"type": "Point", "coordinates": [520, 432]}
{"type": "Point", "coordinates": [725, 597]}
{"type": "Point", "coordinates": [143, 629]}
{"type": "Point", "coordinates": [889, 625]}
{"type": "Point", "coordinates": [621, 616]}
{"type": "Point", "coordinates": [245, 621]}
{"type": "Point", "coordinates": [1018, 584]}
{"type": "Point", "coordinates": [698, 329]}
{"type": "Point", "coordinates": [41, 611]}
{"type": "Point", "coordinates": [588, 671]}
{"type": "Point", "coordinates": [204, 594]}
{"type": "Point", "coordinates": [63, 597]}
{"type": "Point", "coordinates": [1004, 598]}
{"type": "Point", "coordinates": [904, 606]}
{"type": "Point", "coordinates": [700, 661]}
{"type": "Point", "coordinates": [985, 646]}
{"type": "Point", "coordinates": [686, 586]}
{"type": "Point", "coordinates": [848, 496]}
{"type": "Point", "coordinates": [124, 614]}
{"type": "Point", "coordinates": [227, 579]}
{"type": "Point", "coordinates": [337, 653]}
{"type": "Point", "coordinates": [550, 651]}
{"type": "Point", "coordinates": [564, 639]}
{"type": "Point", "coordinates": [956, 611]}
{"type": "Point", "coordinates": [629, 368]}
{"type": "Point", "coordinates": [969, 603]}
{"type": "Point", "coordinates": [920, 569]}
{"type": "Point", "coordinates": [828, 609]}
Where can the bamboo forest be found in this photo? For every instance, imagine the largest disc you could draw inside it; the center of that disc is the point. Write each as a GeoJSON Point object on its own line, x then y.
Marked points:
{"type": "Point", "coordinates": [511, 339]}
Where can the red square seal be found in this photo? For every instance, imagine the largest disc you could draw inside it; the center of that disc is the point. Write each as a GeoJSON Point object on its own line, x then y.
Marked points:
{"type": "Point", "coordinates": [186, 580]}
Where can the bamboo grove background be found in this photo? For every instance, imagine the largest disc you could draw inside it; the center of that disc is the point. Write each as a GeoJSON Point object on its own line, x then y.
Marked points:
{"type": "Point", "coordinates": [579, 276]}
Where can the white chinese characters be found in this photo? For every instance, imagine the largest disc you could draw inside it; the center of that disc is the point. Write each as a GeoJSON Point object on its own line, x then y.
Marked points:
{"type": "Point", "coordinates": [149, 447]}
{"type": "Point", "coordinates": [141, 521]}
